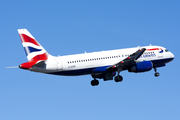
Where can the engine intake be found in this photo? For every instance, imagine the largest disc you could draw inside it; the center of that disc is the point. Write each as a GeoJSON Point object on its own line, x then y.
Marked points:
{"type": "Point", "coordinates": [141, 67]}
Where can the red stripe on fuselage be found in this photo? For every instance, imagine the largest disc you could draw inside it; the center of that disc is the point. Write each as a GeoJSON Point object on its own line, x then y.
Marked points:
{"type": "Point", "coordinates": [152, 49]}
{"type": "Point", "coordinates": [25, 38]}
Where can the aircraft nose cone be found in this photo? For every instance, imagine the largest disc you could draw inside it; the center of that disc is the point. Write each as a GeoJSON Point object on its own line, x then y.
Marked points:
{"type": "Point", "coordinates": [172, 56]}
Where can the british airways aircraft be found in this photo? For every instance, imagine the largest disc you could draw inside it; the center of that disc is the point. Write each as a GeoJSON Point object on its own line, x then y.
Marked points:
{"type": "Point", "coordinates": [100, 65]}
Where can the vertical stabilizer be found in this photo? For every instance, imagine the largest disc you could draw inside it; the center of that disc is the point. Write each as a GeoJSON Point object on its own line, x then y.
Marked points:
{"type": "Point", "coordinates": [34, 51]}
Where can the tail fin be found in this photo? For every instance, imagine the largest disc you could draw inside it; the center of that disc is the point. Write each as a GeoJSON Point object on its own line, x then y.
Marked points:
{"type": "Point", "coordinates": [34, 51]}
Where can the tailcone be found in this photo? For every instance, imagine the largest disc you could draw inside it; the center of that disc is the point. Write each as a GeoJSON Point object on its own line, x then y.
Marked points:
{"type": "Point", "coordinates": [27, 65]}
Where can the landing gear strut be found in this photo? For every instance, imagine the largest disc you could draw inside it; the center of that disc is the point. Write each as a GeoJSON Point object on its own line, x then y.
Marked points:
{"type": "Point", "coordinates": [156, 74]}
{"type": "Point", "coordinates": [118, 78]}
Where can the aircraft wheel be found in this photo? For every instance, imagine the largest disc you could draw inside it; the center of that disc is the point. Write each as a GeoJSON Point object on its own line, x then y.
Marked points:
{"type": "Point", "coordinates": [156, 74]}
{"type": "Point", "coordinates": [94, 82]}
{"type": "Point", "coordinates": [118, 78]}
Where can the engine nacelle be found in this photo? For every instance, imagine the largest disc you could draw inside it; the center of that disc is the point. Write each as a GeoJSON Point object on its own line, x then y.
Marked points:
{"type": "Point", "coordinates": [141, 67]}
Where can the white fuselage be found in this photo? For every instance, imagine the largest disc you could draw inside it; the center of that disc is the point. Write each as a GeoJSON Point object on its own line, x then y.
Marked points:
{"type": "Point", "coordinates": [80, 64]}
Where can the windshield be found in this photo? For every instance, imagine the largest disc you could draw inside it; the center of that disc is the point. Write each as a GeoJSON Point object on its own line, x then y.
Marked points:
{"type": "Point", "coordinates": [166, 50]}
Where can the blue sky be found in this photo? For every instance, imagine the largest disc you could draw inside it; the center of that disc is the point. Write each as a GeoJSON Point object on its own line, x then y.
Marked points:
{"type": "Point", "coordinates": [70, 27]}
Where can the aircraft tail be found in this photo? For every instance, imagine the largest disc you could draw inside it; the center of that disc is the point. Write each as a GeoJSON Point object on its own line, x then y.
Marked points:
{"type": "Point", "coordinates": [34, 51]}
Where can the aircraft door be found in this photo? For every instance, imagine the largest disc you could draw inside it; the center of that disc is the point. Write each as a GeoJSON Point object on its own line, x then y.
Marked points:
{"type": "Point", "coordinates": [59, 63]}
{"type": "Point", "coordinates": [160, 53]}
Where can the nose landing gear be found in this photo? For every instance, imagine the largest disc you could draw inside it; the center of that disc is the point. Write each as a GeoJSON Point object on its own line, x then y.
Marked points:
{"type": "Point", "coordinates": [156, 74]}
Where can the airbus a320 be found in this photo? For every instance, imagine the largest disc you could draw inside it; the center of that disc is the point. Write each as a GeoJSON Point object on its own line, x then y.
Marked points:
{"type": "Point", "coordinates": [104, 65]}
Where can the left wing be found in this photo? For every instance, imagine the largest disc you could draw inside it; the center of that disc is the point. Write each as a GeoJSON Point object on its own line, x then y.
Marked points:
{"type": "Point", "coordinates": [129, 61]}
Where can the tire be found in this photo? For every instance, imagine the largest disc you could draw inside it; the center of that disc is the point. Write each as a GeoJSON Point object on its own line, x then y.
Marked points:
{"type": "Point", "coordinates": [118, 78]}
{"type": "Point", "coordinates": [156, 74]}
{"type": "Point", "coordinates": [94, 82]}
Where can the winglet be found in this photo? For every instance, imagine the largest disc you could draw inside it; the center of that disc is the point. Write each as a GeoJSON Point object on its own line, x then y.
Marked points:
{"type": "Point", "coordinates": [139, 53]}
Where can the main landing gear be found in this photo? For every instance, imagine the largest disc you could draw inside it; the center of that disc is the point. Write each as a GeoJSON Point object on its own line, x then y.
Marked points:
{"type": "Point", "coordinates": [156, 74]}
{"type": "Point", "coordinates": [118, 78]}
{"type": "Point", "coordinates": [94, 82]}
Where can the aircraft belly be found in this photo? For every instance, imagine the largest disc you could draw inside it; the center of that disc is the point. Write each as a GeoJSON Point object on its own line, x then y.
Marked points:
{"type": "Point", "coordinates": [76, 72]}
{"type": "Point", "coordinates": [161, 61]}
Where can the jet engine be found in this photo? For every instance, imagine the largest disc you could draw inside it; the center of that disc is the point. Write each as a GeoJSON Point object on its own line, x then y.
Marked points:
{"type": "Point", "coordinates": [141, 67]}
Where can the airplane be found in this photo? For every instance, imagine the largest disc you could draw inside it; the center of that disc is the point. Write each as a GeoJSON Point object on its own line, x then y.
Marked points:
{"type": "Point", "coordinates": [104, 65]}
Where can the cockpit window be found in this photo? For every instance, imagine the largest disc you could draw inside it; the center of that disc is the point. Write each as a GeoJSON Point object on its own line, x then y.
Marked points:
{"type": "Point", "coordinates": [166, 50]}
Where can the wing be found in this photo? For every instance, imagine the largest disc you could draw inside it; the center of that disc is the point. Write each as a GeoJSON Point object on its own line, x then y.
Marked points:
{"type": "Point", "coordinates": [129, 61]}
